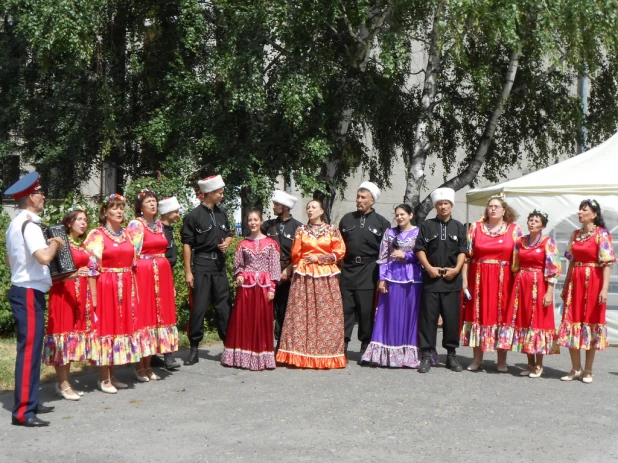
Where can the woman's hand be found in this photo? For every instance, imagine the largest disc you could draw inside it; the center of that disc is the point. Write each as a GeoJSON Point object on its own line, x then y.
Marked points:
{"type": "Point", "coordinates": [240, 279]}
{"type": "Point", "coordinates": [311, 259]}
{"type": "Point", "coordinates": [271, 295]}
{"type": "Point", "coordinates": [383, 287]}
{"type": "Point", "coordinates": [398, 254]}
{"type": "Point", "coordinates": [603, 296]}
{"type": "Point", "coordinates": [548, 299]}
{"type": "Point", "coordinates": [563, 294]}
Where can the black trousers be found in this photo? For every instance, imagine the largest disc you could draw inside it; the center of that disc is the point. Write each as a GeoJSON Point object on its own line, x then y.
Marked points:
{"type": "Point", "coordinates": [281, 303]}
{"type": "Point", "coordinates": [209, 288]}
{"type": "Point", "coordinates": [432, 306]}
{"type": "Point", "coordinates": [358, 304]}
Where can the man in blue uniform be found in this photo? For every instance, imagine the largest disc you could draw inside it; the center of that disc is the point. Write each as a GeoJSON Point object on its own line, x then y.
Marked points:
{"type": "Point", "coordinates": [28, 255]}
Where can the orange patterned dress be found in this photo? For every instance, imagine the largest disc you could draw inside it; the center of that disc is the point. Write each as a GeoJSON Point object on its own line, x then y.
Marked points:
{"type": "Point", "coordinates": [312, 335]}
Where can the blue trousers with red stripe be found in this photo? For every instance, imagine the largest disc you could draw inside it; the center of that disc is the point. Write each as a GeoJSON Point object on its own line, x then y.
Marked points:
{"type": "Point", "coordinates": [28, 307]}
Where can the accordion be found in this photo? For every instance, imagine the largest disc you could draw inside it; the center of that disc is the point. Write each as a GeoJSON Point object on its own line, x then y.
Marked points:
{"type": "Point", "coordinates": [62, 265]}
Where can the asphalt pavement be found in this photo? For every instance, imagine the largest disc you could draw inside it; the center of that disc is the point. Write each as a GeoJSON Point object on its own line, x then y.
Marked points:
{"type": "Point", "coordinates": [210, 413]}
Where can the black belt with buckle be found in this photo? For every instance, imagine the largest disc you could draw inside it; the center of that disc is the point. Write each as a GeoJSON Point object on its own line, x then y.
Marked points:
{"type": "Point", "coordinates": [208, 255]}
{"type": "Point", "coordinates": [359, 260]}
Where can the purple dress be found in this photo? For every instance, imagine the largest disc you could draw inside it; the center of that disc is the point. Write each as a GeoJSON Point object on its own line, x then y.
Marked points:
{"type": "Point", "coordinates": [395, 330]}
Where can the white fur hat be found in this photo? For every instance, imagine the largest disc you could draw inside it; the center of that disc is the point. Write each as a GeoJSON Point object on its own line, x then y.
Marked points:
{"type": "Point", "coordinates": [372, 188]}
{"type": "Point", "coordinates": [168, 205]}
{"type": "Point", "coordinates": [211, 183]}
{"type": "Point", "coordinates": [443, 194]}
{"type": "Point", "coordinates": [285, 198]}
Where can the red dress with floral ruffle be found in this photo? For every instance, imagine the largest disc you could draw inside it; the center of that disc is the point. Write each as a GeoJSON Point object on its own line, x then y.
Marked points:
{"type": "Point", "coordinates": [111, 261]}
{"type": "Point", "coordinates": [583, 321]}
{"type": "Point", "coordinates": [70, 336]}
{"type": "Point", "coordinates": [155, 315]}
{"type": "Point", "coordinates": [529, 326]}
{"type": "Point", "coordinates": [489, 281]}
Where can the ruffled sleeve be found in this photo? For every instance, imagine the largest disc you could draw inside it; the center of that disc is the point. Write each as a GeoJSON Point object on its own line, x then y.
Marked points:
{"type": "Point", "coordinates": [470, 239]}
{"type": "Point", "coordinates": [297, 246]}
{"type": "Point", "coordinates": [517, 232]}
{"type": "Point", "coordinates": [239, 259]}
{"type": "Point", "coordinates": [552, 263]}
{"type": "Point", "coordinates": [606, 248]}
{"type": "Point", "coordinates": [568, 254]}
{"type": "Point", "coordinates": [274, 265]}
{"type": "Point", "coordinates": [383, 254]}
{"type": "Point", "coordinates": [93, 244]}
{"type": "Point", "coordinates": [516, 248]}
{"type": "Point", "coordinates": [135, 230]}
{"type": "Point", "coordinates": [337, 244]}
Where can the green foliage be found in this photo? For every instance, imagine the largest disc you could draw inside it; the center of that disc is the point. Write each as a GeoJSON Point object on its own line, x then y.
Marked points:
{"type": "Point", "coordinates": [7, 322]}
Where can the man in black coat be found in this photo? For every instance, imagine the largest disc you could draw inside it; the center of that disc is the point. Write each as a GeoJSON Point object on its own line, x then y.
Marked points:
{"type": "Point", "coordinates": [362, 231]}
{"type": "Point", "coordinates": [282, 229]}
{"type": "Point", "coordinates": [441, 249]}
{"type": "Point", "coordinates": [206, 235]}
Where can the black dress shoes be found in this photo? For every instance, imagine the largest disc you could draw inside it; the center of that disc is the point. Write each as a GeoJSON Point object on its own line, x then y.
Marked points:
{"type": "Point", "coordinates": [193, 358]}
{"type": "Point", "coordinates": [364, 346]}
{"type": "Point", "coordinates": [156, 361]}
{"type": "Point", "coordinates": [425, 365]}
{"type": "Point", "coordinates": [33, 422]}
{"type": "Point", "coordinates": [43, 409]}
{"type": "Point", "coordinates": [170, 363]}
{"type": "Point", "coordinates": [452, 363]}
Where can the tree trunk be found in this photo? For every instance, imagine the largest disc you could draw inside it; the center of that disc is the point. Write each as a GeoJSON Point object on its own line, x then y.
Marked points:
{"type": "Point", "coordinates": [474, 166]}
{"type": "Point", "coordinates": [423, 139]}
{"type": "Point", "coordinates": [327, 198]}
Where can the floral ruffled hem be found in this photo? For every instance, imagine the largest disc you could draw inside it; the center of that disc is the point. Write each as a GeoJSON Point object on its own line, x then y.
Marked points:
{"type": "Point", "coordinates": [528, 340]}
{"type": "Point", "coordinates": [395, 356]}
{"type": "Point", "coordinates": [147, 341]}
{"type": "Point", "coordinates": [167, 339]}
{"type": "Point", "coordinates": [64, 348]}
{"type": "Point", "coordinates": [118, 350]}
{"type": "Point", "coordinates": [583, 336]}
{"type": "Point", "coordinates": [254, 361]}
{"type": "Point", "coordinates": [309, 361]}
{"type": "Point", "coordinates": [476, 335]}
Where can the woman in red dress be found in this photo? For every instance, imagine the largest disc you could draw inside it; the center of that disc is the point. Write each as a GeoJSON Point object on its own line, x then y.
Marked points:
{"type": "Point", "coordinates": [529, 325]}
{"type": "Point", "coordinates": [590, 254]}
{"type": "Point", "coordinates": [155, 315]}
{"type": "Point", "coordinates": [488, 278]}
{"type": "Point", "coordinates": [249, 343]}
{"type": "Point", "coordinates": [70, 337]}
{"type": "Point", "coordinates": [113, 290]}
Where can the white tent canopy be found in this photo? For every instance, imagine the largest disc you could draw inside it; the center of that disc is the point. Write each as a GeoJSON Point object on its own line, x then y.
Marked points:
{"type": "Point", "coordinates": [559, 189]}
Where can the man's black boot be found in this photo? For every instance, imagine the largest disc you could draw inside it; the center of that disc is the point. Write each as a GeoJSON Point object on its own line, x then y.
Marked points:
{"type": "Point", "coordinates": [452, 363]}
{"type": "Point", "coordinates": [170, 362]}
{"type": "Point", "coordinates": [193, 358]}
{"type": "Point", "coordinates": [425, 365]}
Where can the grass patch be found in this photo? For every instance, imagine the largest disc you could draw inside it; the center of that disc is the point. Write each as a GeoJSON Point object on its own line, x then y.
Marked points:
{"type": "Point", "coordinates": [8, 353]}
